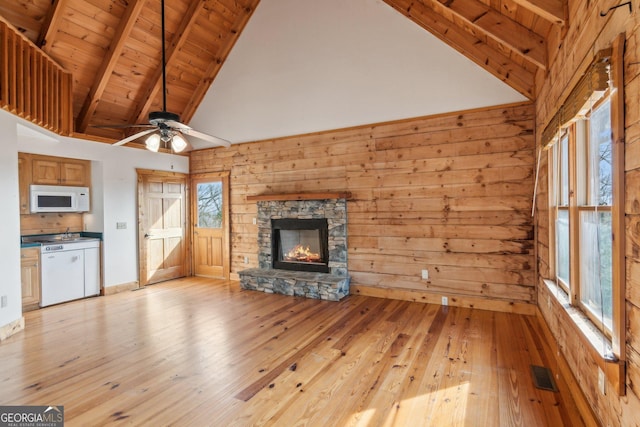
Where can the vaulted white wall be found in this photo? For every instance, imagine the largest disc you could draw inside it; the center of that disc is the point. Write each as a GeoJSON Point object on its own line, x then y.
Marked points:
{"type": "Point", "coordinates": [302, 66]}
{"type": "Point", "coordinates": [9, 222]}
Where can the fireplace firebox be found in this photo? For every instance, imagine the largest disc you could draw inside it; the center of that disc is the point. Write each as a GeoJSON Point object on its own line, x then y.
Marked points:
{"type": "Point", "coordinates": [300, 244]}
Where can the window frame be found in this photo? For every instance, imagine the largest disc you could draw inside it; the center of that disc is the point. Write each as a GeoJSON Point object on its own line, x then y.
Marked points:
{"type": "Point", "coordinates": [611, 361]}
{"type": "Point", "coordinates": [583, 173]}
{"type": "Point", "coordinates": [556, 204]}
{"type": "Point", "coordinates": [576, 135]}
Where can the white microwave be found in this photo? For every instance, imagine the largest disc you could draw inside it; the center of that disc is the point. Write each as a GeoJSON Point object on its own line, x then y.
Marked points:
{"type": "Point", "coordinates": [59, 198]}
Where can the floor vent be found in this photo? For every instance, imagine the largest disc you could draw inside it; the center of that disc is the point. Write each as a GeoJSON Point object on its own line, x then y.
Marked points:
{"type": "Point", "coordinates": [542, 378]}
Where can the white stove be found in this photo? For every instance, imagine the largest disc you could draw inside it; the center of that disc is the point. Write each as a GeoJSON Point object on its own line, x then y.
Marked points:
{"type": "Point", "coordinates": [70, 268]}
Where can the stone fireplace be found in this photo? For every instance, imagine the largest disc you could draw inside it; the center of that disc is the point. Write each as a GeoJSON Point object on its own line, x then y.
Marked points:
{"type": "Point", "coordinates": [302, 246]}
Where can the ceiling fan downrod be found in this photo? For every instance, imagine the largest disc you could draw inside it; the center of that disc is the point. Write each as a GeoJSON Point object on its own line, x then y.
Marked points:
{"type": "Point", "coordinates": [164, 64]}
{"type": "Point", "coordinates": [157, 117]}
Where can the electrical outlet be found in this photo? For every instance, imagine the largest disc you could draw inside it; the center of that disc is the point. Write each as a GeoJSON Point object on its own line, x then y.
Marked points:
{"type": "Point", "coordinates": [255, 221]}
{"type": "Point", "coordinates": [3, 301]}
{"type": "Point", "coordinates": [601, 382]}
{"type": "Point", "coordinates": [425, 274]}
{"type": "Point", "coordinates": [121, 225]}
{"type": "Point", "coordinates": [445, 301]}
{"type": "Point", "coordinates": [246, 259]}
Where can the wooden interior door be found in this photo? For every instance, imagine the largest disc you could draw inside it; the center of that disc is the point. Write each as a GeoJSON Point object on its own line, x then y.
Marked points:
{"type": "Point", "coordinates": [162, 224]}
{"type": "Point", "coordinates": [210, 215]}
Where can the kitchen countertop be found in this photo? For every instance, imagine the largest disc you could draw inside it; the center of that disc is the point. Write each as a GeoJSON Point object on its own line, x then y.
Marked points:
{"type": "Point", "coordinates": [84, 234]}
{"type": "Point", "coordinates": [29, 245]}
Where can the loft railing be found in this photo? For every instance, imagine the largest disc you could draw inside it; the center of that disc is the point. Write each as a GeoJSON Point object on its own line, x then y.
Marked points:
{"type": "Point", "coordinates": [32, 85]}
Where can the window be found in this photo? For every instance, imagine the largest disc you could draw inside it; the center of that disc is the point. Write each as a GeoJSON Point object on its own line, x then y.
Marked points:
{"type": "Point", "coordinates": [595, 199]}
{"type": "Point", "coordinates": [582, 189]}
{"type": "Point", "coordinates": [581, 184]}
{"type": "Point", "coordinates": [585, 144]}
{"type": "Point", "coordinates": [209, 204]}
{"type": "Point", "coordinates": [560, 209]}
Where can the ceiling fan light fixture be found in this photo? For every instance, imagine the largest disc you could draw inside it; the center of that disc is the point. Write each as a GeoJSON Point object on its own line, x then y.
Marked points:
{"type": "Point", "coordinates": [165, 136]}
{"type": "Point", "coordinates": [153, 142]}
{"type": "Point", "coordinates": [178, 143]}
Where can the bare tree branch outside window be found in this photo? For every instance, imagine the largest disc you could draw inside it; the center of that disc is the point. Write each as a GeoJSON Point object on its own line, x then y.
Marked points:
{"type": "Point", "coordinates": [210, 205]}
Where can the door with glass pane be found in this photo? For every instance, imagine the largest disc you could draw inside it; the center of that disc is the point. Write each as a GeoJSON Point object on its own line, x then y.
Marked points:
{"type": "Point", "coordinates": [210, 200]}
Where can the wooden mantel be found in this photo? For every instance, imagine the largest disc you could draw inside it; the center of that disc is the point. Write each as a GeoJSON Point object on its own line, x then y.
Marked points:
{"type": "Point", "coordinates": [300, 196]}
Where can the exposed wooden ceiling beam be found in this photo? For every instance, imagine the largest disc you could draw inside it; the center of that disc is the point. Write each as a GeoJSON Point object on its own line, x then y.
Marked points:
{"type": "Point", "coordinates": [103, 75]}
{"type": "Point", "coordinates": [501, 28]}
{"type": "Point", "coordinates": [492, 60]}
{"type": "Point", "coordinates": [154, 83]}
{"type": "Point", "coordinates": [50, 25]}
{"type": "Point", "coordinates": [215, 66]}
{"type": "Point", "coordinates": [554, 11]}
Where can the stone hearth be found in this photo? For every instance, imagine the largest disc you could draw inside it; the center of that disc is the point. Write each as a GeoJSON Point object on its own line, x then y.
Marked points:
{"type": "Point", "coordinates": [328, 286]}
{"type": "Point", "coordinates": [296, 283]}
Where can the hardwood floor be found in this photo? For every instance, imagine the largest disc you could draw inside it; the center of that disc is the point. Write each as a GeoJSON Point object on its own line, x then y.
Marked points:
{"type": "Point", "coordinates": [198, 352]}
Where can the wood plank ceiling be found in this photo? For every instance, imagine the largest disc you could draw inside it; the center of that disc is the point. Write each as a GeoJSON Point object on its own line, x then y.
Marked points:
{"type": "Point", "coordinates": [113, 47]}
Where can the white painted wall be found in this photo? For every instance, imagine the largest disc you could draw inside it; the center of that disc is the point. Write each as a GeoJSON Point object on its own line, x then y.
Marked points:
{"type": "Point", "coordinates": [303, 66]}
{"type": "Point", "coordinates": [113, 198]}
{"type": "Point", "coordinates": [9, 222]}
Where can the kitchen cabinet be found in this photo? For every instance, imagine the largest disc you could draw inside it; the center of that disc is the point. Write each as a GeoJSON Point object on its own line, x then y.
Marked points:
{"type": "Point", "coordinates": [75, 173]}
{"type": "Point", "coordinates": [52, 171]}
{"type": "Point", "coordinates": [24, 180]}
{"type": "Point", "coordinates": [30, 277]}
{"type": "Point", "coordinates": [48, 170]}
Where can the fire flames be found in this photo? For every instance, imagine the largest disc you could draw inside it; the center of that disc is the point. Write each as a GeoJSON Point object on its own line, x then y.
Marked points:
{"type": "Point", "coordinates": [302, 254]}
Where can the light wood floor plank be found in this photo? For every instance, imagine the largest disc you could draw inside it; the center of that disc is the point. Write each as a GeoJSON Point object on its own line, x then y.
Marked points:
{"type": "Point", "coordinates": [197, 351]}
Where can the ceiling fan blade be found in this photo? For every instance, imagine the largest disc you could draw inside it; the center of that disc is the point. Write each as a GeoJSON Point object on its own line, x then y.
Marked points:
{"type": "Point", "coordinates": [188, 130]}
{"type": "Point", "coordinates": [178, 125]}
{"type": "Point", "coordinates": [122, 126]}
{"type": "Point", "coordinates": [135, 136]}
{"type": "Point", "coordinates": [208, 138]}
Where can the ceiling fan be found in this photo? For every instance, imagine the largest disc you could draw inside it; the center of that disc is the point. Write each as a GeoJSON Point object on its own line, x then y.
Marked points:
{"type": "Point", "coordinates": [165, 129]}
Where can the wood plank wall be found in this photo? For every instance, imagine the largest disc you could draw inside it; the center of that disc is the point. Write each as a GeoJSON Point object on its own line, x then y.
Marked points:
{"type": "Point", "coordinates": [588, 33]}
{"type": "Point", "coordinates": [449, 193]}
{"type": "Point", "coordinates": [51, 223]}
